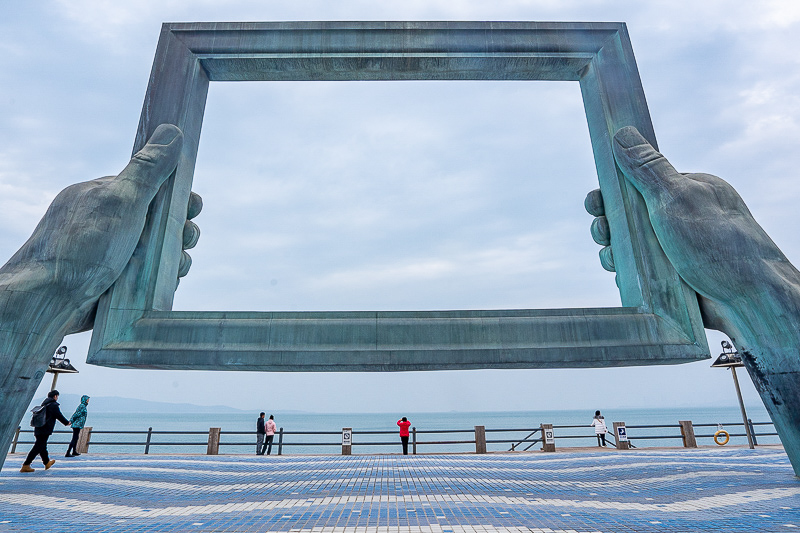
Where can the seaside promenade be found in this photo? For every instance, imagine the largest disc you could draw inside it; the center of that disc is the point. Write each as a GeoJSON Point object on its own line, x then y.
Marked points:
{"type": "Point", "coordinates": [664, 489]}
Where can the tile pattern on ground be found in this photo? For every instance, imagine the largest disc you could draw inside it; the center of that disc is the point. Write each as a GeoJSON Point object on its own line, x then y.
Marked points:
{"type": "Point", "coordinates": [707, 489]}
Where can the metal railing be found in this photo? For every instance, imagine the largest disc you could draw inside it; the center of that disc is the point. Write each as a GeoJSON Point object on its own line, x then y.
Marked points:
{"type": "Point", "coordinates": [429, 439]}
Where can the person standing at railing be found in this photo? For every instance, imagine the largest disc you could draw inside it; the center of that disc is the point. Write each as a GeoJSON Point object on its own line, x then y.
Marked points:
{"type": "Point", "coordinates": [404, 425]}
{"type": "Point", "coordinates": [77, 421]}
{"type": "Point", "coordinates": [261, 432]}
{"type": "Point", "coordinates": [600, 429]}
{"type": "Point", "coordinates": [270, 428]}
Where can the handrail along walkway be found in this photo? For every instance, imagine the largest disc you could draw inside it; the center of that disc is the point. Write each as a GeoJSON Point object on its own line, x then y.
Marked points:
{"type": "Point", "coordinates": [420, 438]}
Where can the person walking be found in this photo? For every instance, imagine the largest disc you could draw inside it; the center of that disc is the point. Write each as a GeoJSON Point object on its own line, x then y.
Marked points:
{"type": "Point", "coordinates": [42, 433]}
{"type": "Point", "coordinates": [600, 429]}
{"type": "Point", "coordinates": [260, 433]}
{"type": "Point", "coordinates": [77, 421]}
{"type": "Point", "coordinates": [271, 428]}
{"type": "Point", "coordinates": [404, 424]}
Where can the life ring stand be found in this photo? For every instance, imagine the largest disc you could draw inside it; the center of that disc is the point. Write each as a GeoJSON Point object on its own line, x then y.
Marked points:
{"type": "Point", "coordinates": [725, 437]}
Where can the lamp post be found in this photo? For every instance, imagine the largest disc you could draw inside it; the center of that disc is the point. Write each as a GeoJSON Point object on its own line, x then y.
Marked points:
{"type": "Point", "coordinates": [60, 365]}
{"type": "Point", "coordinates": [729, 358]}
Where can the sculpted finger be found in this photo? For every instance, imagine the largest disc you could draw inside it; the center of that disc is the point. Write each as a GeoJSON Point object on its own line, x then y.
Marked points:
{"type": "Point", "coordinates": [195, 205]}
{"type": "Point", "coordinates": [191, 234]}
{"type": "Point", "coordinates": [184, 265]}
{"type": "Point", "coordinates": [601, 233]}
{"type": "Point", "coordinates": [649, 171]}
{"type": "Point", "coordinates": [594, 203]}
{"type": "Point", "coordinates": [152, 165]}
{"type": "Point", "coordinates": [607, 259]}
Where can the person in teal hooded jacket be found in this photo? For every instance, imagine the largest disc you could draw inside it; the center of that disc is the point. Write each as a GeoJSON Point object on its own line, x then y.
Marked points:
{"type": "Point", "coordinates": [77, 421]}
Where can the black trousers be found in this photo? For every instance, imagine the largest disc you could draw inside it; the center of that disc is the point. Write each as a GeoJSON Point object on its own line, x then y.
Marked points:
{"type": "Point", "coordinates": [404, 440]}
{"type": "Point", "coordinates": [267, 444]}
{"type": "Point", "coordinates": [39, 448]}
{"type": "Point", "coordinates": [74, 442]}
{"type": "Point", "coordinates": [601, 437]}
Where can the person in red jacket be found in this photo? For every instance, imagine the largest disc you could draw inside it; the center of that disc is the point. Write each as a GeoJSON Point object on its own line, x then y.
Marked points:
{"type": "Point", "coordinates": [404, 425]}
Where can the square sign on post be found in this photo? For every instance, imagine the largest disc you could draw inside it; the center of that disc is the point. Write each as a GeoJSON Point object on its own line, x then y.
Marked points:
{"type": "Point", "coordinates": [548, 438]}
{"type": "Point", "coordinates": [347, 441]}
{"type": "Point", "coordinates": [659, 322]}
{"type": "Point", "coordinates": [621, 433]}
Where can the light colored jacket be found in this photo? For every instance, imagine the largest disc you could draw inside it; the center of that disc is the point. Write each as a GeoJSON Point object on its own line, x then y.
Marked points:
{"type": "Point", "coordinates": [599, 426]}
{"type": "Point", "coordinates": [270, 427]}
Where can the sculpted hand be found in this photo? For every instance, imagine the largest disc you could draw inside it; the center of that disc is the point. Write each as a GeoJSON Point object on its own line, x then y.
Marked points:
{"type": "Point", "coordinates": [746, 285]}
{"type": "Point", "coordinates": [51, 286]}
{"type": "Point", "coordinates": [706, 231]}
{"type": "Point", "coordinates": [86, 238]}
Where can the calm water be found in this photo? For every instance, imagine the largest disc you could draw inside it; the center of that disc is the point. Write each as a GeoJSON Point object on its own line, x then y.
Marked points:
{"type": "Point", "coordinates": [522, 421]}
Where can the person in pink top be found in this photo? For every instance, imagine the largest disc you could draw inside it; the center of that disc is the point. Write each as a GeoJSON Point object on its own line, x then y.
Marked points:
{"type": "Point", "coordinates": [404, 425]}
{"type": "Point", "coordinates": [270, 429]}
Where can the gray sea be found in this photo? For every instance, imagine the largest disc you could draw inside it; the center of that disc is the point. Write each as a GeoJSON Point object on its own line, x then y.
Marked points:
{"type": "Point", "coordinates": [238, 430]}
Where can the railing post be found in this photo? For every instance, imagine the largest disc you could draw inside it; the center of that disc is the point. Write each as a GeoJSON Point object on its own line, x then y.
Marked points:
{"type": "Point", "coordinates": [16, 439]}
{"type": "Point", "coordinates": [280, 441]}
{"type": "Point", "coordinates": [621, 436]}
{"type": "Point", "coordinates": [687, 432]}
{"type": "Point", "coordinates": [84, 437]}
{"type": "Point", "coordinates": [480, 439]}
{"type": "Point", "coordinates": [347, 441]}
{"type": "Point", "coordinates": [147, 443]}
{"type": "Point", "coordinates": [752, 431]}
{"type": "Point", "coordinates": [414, 441]}
{"type": "Point", "coordinates": [213, 441]}
{"type": "Point", "coordinates": [548, 438]}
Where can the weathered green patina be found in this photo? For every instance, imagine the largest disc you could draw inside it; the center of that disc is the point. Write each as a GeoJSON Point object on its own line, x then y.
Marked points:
{"type": "Point", "coordinates": [87, 240]}
{"type": "Point", "coordinates": [660, 323]}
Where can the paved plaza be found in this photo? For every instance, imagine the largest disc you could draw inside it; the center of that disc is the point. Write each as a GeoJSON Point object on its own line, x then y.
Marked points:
{"type": "Point", "coordinates": [707, 489]}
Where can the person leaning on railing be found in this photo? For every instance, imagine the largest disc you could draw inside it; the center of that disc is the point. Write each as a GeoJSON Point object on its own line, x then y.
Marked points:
{"type": "Point", "coordinates": [600, 429]}
{"type": "Point", "coordinates": [404, 425]}
{"type": "Point", "coordinates": [77, 421]}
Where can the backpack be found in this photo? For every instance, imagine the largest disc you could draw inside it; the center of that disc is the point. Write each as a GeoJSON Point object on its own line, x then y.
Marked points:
{"type": "Point", "coordinates": [39, 416]}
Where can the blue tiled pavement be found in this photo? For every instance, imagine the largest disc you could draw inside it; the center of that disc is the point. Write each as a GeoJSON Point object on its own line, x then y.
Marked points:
{"type": "Point", "coordinates": [708, 489]}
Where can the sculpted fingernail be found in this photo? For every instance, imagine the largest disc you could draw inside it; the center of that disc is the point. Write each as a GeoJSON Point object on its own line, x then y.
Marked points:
{"type": "Point", "coordinates": [628, 136]}
{"type": "Point", "coordinates": [164, 134]}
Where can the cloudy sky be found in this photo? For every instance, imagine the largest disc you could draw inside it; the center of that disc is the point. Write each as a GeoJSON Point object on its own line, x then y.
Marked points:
{"type": "Point", "coordinates": [401, 195]}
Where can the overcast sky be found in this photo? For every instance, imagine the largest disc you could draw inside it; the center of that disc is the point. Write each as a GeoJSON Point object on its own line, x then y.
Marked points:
{"type": "Point", "coordinates": [401, 195]}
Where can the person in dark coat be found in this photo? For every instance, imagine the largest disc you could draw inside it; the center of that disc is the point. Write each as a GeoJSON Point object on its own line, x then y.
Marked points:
{"type": "Point", "coordinates": [77, 421]}
{"type": "Point", "coordinates": [52, 413]}
{"type": "Point", "coordinates": [261, 432]}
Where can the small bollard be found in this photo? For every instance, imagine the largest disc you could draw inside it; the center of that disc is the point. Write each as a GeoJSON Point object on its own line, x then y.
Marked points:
{"type": "Point", "coordinates": [687, 432]}
{"type": "Point", "coordinates": [347, 441]}
{"type": "Point", "coordinates": [752, 431]}
{"type": "Point", "coordinates": [213, 441]}
{"type": "Point", "coordinates": [83, 440]}
{"type": "Point", "coordinates": [548, 438]}
{"type": "Point", "coordinates": [621, 434]}
{"type": "Point", "coordinates": [480, 439]}
{"type": "Point", "coordinates": [147, 442]}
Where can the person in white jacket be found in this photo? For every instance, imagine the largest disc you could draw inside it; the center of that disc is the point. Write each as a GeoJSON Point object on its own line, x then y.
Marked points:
{"type": "Point", "coordinates": [600, 429]}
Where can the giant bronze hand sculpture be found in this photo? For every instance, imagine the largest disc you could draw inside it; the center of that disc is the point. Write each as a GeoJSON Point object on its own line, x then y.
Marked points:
{"type": "Point", "coordinates": [51, 286]}
{"type": "Point", "coordinates": [747, 288]}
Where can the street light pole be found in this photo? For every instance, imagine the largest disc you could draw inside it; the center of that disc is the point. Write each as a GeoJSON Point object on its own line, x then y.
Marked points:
{"type": "Point", "coordinates": [741, 406]}
{"type": "Point", "coordinates": [729, 358]}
